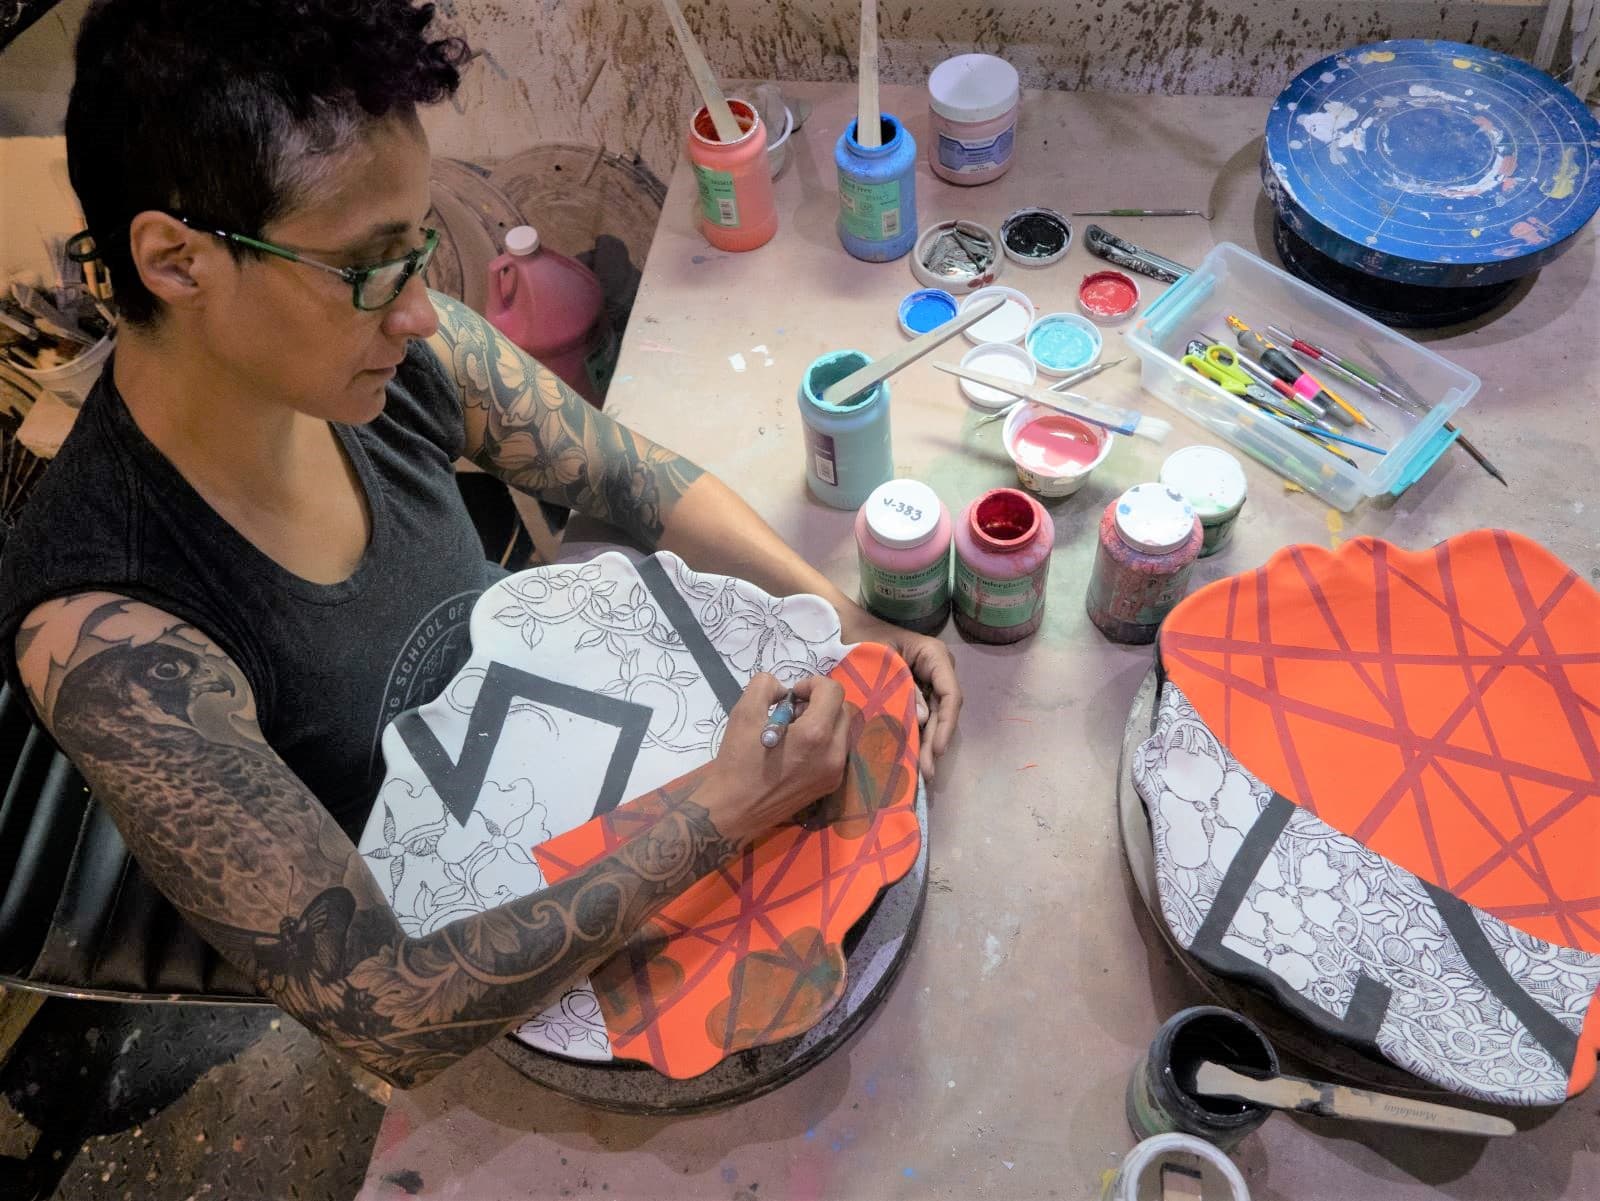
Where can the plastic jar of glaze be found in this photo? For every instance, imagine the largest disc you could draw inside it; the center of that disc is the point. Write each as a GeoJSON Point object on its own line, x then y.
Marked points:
{"type": "Point", "coordinates": [1003, 544]}
{"type": "Point", "coordinates": [1212, 481]}
{"type": "Point", "coordinates": [736, 208]}
{"type": "Point", "coordinates": [1149, 541]}
{"type": "Point", "coordinates": [903, 537]}
{"type": "Point", "coordinates": [972, 106]}
{"type": "Point", "coordinates": [848, 453]}
{"type": "Point", "coordinates": [877, 192]}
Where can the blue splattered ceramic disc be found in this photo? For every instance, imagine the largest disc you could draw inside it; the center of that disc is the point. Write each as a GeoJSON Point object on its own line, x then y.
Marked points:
{"type": "Point", "coordinates": [1432, 163]}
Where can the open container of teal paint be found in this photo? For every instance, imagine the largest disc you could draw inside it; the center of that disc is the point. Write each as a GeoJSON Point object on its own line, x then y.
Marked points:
{"type": "Point", "coordinates": [1232, 280]}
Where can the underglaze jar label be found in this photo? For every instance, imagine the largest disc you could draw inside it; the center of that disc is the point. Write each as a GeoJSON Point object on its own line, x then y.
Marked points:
{"type": "Point", "coordinates": [717, 201]}
{"type": "Point", "coordinates": [999, 603]}
{"type": "Point", "coordinates": [958, 154]}
{"type": "Point", "coordinates": [900, 596]}
{"type": "Point", "coordinates": [869, 210]}
{"type": "Point", "coordinates": [824, 455]}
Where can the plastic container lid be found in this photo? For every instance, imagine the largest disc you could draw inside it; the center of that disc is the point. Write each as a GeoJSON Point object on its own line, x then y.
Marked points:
{"type": "Point", "coordinates": [1036, 236]}
{"type": "Point", "coordinates": [1061, 343]}
{"type": "Point", "coordinates": [975, 266]}
{"type": "Point", "coordinates": [1154, 518]}
{"type": "Point", "coordinates": [1008, 323]}
{"type": "Point", "coordinates": [1005, 359]}
{"type": "Point", "coordinates": [522, 239]}
{"type": "Point", "coordinates": [1208, 478]}
{"type": "Point", "coordinates": [973, 87]}
{"type": "Point", "coordinates": [1108, 297]}
{"type": "Point", "coordinates": [902, 513]}
{"type": "Point", "coordinates": [926, 309]}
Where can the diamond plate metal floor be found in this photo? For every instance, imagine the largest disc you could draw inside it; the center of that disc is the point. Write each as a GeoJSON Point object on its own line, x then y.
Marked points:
{"type": "Point", "coordinates": [109, 1102]}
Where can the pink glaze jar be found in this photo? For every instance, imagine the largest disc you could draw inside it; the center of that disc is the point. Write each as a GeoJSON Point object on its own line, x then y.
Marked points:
{"type": "Point", "coordinates": [972, 117]}
{"type": "Point", "coordinates": [1150, 538]}
{"type": "Point", "coordinates": [1003, 544]}
{"type": "Point", "coordinates": [903, 538]}
{"type": "Point", "coordinates": [736, 206]}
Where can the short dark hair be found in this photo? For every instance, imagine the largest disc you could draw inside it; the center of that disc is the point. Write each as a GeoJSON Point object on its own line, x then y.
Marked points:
{"type": "Point", "coordinates": [221, 112]}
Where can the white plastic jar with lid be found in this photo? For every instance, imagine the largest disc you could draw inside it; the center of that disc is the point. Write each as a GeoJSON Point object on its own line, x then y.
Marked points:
{"type": "Point", "coordinates": [972, 103]}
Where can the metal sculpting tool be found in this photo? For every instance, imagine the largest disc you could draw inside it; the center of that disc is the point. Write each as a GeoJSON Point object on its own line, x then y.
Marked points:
{"type": "Point", "coordinates": [1077, 377]}
{"type": "Point", "coordinates": [1142, 213]}
{"type": "Point", "coordinates": [1102, 243]}
{"type": "Point", "coordinates": [778, 721]}
{"type": "Point", "coordinates": [1290, 372]}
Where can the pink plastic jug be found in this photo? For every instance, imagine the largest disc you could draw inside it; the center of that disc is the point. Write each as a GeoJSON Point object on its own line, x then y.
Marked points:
{"type": "Point", "coordinates": [554, 308]}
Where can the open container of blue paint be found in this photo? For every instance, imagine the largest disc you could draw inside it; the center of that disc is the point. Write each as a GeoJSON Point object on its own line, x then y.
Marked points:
{"type": "Point", "coordinates": [925, 310]}
{"type": "Point", "coordinates": [1063, 343]}
{"type": "Point", "coordinates": [1232, 280]}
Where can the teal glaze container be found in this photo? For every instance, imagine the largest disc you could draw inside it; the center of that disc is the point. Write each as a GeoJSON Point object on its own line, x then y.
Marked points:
{"type": "Point", "coordinates": [847, 446]}
{"type": "Point", "coordinates": [877, 193]}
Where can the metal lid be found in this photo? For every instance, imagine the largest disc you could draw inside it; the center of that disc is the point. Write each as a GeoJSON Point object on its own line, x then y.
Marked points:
{"type": "Point", "coordinates": [902, 513]}
{"type": "Point", "coordinates": [1154, 518]}
{"type": "Point", "coordinates": [1209, 478]}
{"type": "Point", "coordinates": [522, 239]}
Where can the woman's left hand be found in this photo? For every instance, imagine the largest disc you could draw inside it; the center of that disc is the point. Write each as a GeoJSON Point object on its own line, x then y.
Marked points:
{"type": "Point", "coordinates": [939, 700]}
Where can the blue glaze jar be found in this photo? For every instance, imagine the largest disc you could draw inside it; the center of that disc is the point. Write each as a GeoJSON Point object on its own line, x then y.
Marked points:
{"type": "Point", "coordinates": [847, 445]}
{"type": "Point", "coordinates": [877, 192]}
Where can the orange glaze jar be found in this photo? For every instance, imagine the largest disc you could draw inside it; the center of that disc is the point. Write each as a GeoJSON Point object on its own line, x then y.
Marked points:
{"type": "Point", "coordinates": [736, 209]}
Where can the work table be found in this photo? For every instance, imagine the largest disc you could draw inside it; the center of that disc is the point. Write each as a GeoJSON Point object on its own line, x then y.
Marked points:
{"type": "Point", "coordinates": [997, 1065]}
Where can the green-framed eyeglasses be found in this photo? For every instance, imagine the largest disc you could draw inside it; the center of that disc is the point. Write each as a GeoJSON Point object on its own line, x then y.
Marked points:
{"type": "Point", "coordinates": [371, 287]}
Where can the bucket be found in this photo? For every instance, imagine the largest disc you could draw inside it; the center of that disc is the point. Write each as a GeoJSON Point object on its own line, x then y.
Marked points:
{"type": "Point", "coordinates": [71, 381]}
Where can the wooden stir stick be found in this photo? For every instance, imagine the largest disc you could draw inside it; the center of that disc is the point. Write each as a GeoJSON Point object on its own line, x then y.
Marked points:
{"type": "Point", "coordinates": [881, 369]}
{"type": "Point", "coordinates": [869, 124]}
{"type": "Point", "coordinates": [716, 103]}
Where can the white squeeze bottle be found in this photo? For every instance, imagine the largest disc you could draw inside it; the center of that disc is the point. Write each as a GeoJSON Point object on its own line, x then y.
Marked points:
{"type": "Point", "coordinates": [554, 308]}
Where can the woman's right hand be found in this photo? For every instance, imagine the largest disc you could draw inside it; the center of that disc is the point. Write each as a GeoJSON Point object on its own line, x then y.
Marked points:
{"type": "Point", "coordinates": [753, 787]}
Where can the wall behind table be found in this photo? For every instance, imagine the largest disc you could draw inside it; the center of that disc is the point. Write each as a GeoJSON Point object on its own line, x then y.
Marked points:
{"type": "Point", "coordinates": [606, 72]}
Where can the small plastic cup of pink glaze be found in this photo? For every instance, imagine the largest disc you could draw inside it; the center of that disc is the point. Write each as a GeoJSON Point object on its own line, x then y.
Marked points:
{"type": "Point", "coordinates": [1053, 452]}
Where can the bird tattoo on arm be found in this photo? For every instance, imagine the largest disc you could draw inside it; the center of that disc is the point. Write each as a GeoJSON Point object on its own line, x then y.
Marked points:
{"type": "Point", "coordinates": [162, 724]}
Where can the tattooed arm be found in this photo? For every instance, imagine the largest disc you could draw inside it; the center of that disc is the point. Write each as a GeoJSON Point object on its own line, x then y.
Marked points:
{"type": "Point", "coordinates": [537, 434]}
{"type": "Point", "coordinates": [163, 726]}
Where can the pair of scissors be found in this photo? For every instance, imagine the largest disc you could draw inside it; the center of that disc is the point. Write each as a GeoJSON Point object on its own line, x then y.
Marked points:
{"type": "Point", "coordinates": [1220, 365]}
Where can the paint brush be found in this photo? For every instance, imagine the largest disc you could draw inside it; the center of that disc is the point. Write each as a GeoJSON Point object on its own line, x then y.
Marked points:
{"type": "Point", "coordinates": [716, 103]}
{"type": "Point", "coordinates": [1118, 421]}
{"type": "Point", "coordinates": [1339, 1101]}
{"type": "Point", "coordinates": [1077, 377]}
{"type": "Point", "coordinates": [878, 370]}
{"type": "Point", "coordinates": [869, 128]}
{"type": "Point", "coordinates": [1481, 459]}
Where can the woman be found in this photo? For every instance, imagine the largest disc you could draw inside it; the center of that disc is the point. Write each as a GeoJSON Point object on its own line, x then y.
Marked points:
{"type": "Point", "coordinates": [250, 553]}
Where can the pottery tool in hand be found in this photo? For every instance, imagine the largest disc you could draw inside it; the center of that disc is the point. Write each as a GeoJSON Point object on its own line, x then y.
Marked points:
{"type": "Point", "coordinates": [879, 370]}
{"type": "Point", "coordinates": [1339, 1101]}
{"type": "Point", "coordinates": [1286, 369]}
{"type": "Point", "coordinates": [1118, 421]}
{"type": "Point", "coordinates": [1077, 377]}
{"type": "Point", "coordinates": [1102, 243]}
{"type": "Point", "coordinates": [716, 103]}
{"type": "Point", "coordinates": [778, 721]}
{"type": "Point", "coordinates": [869, 129]}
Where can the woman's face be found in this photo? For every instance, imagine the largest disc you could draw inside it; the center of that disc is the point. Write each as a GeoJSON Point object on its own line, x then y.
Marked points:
{"type": "Point", "coordinates": [291, 330]}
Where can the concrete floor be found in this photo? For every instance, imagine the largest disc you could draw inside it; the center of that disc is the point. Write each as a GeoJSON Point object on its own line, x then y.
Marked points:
{"type": "Point", "coordinates": [997, 1066]}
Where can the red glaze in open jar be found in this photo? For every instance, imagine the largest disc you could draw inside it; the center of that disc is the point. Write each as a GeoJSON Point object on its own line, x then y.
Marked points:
{"type": "Point", "coordinates": [1003, 544]}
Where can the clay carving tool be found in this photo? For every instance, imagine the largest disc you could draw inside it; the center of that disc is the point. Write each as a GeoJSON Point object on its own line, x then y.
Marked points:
{"type": "Point", "coordinates": [1339, 1101]}
{"type": "Point", "coordinates": [716, 103]}
{"type": "Point", "coordinates": [1142, 213]}
{"type": "Point", "coordinates": [879, 370]}
{"type": "Point", "coordinates": [869, 128]}
{"type": "Point", "coordinates": [1118, 421]}
{"type": "Point", "coordinates": [1412, 402]}
{"type": "Point", "coordinates": [778, 721]}
{"type": "Point", "coordinates": [1201, 360]}
{"type": "Point", "coordinates": [1102, 243]}
{"type": "Point", "coordinates": [1077, 377]}
{"type": "Point", "coordinates": [1285, 368]}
